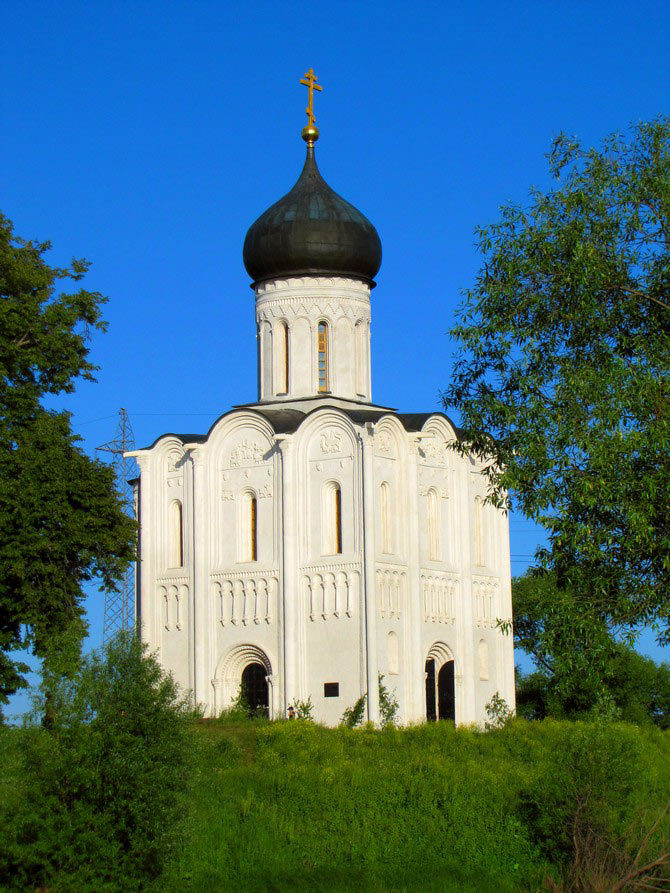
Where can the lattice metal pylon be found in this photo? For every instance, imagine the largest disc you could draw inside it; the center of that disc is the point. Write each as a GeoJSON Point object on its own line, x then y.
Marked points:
{"type": "Point", "coordinates": [120, 606]}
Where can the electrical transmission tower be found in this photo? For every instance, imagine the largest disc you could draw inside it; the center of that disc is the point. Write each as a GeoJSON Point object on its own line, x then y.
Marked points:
{"type": "Point", "coordinates": [120, 606]}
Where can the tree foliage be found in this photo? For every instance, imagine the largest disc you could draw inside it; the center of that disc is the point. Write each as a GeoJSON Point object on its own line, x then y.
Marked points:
{"type": "Point", "coordinates": [61, 521]}
{"type": "Point", "coordinates": [99, 799]}
{"type": "Point", "coordinates": [581, 669]}
{"type": "Point", "coordinates": [561, 373]}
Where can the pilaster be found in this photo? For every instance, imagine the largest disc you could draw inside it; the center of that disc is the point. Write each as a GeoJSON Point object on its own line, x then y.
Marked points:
{"type": "Point", "coordinates": [369, 573]}
{"type": "Point", "coordinates": [414, 666]}
{"type": "Point", "coordinates": [465, 617]}
{"type": "Point", "coordinates": [289, 588]}
{"type": "Point", "coordinates": [201, 622]}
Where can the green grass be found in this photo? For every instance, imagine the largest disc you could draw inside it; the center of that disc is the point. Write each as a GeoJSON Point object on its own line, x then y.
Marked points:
{"type": "Point", "coordinates": [294, 806]}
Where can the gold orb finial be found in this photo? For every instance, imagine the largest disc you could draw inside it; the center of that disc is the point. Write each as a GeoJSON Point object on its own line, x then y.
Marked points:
{"type": "Point", "coordinates": [310, 133]}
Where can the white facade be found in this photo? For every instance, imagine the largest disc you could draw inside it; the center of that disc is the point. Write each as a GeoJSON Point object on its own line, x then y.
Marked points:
{"type": "Point", "coordinates": [325, 538]}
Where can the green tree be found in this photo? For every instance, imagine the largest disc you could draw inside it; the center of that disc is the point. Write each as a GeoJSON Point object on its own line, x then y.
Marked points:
{"type": "Point", "coordinates": [573, 677]}
{"type": "Point", "coordinates": [561, 374]}
{"type": "Point", "coordinates": [99, 796]}
{"type": "Point", "coordinates": [61, 521]}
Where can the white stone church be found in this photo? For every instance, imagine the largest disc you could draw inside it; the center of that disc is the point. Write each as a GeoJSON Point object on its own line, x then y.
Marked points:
{"type": "Point", "coordinates": [313, 540]}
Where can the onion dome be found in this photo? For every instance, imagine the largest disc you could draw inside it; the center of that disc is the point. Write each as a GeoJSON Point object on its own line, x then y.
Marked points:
{"type": "Point", "coordinates": [312, 231]}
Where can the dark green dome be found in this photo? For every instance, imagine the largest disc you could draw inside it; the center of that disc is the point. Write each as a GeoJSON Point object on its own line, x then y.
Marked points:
{"type": "Point", "coordinates": [312, 231]}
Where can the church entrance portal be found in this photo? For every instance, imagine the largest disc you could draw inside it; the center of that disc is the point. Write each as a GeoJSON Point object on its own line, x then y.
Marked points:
{"type": "Point", "coordinates": [440, 693]}
{"type": "Point", "coordinates": [255, 689]}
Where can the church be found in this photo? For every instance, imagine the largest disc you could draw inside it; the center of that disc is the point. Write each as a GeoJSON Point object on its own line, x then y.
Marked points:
{"type": "Point", "coordinates": [312, 542]}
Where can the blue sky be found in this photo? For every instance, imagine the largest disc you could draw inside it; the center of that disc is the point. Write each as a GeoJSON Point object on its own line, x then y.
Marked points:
{"type": "Point", "coordinates": [148, 136]}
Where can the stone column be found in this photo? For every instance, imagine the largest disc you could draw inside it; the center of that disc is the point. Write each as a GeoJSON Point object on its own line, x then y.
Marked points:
{"type": "Point", "coordinates": [273, 696]}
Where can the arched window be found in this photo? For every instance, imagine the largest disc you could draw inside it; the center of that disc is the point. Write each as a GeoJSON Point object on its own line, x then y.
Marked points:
{"type": "Point", "coordinates": [479, 532]}
{"type": "Point", "coordinates": [249, 527]}
{"type": "Point", "coordinates": [282, 359]}
{"type": "Point", "coordinates": [176, 537]}
{"type": "Point", "coordinates": [393, 656]}
{"type": "Point", "coordinates": [483, 659]}
{"type": "Point", "coordinates": [253, 529]}
{"type": "Point", "coordinates": [386, 521]}
{"type": "Point", "coordinates": [433, 526]}
{"type": "Point", "coordinates": [332, 519]}
{"type": "Point", "coordinates": [322, 350]}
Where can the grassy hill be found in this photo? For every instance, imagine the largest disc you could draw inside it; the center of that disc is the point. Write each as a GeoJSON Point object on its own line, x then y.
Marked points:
{"type": "Point", "coordinates": [290, 805]}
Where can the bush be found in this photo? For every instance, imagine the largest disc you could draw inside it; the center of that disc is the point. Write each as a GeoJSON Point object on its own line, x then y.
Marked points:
{"type": "Point", "coordinates": [353, 716]}
{"type": "Point", "coordinates": [388, 704]}
{"type": "Point", "coordinates": [100, 787]}
{"type": "Point", "coordinates": [499, 713]}
{"type": "Point", "coordinates": [304, 709]}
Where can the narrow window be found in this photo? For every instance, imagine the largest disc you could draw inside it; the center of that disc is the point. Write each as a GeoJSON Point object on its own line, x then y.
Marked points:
{"type": "Point", "coordinates": [338, 520]}
{"type": "Point", "coordinates": [323, 357]}
{"type": "Point", "coordinates": [282, 360]}
{"type": "Point", "coordinates": [331, 519]}
{"type": "Point", "coordinates": [479, 533]}
{"type": "Point", "coordinates": [433, 526]}
{"type": "Point", "coordinates": [176, 541]}
{"type": "Point", "coordinates": [385, 512]}
{"type": "Point", "coordinates": [247, 527]}
{"type": "Point", "coordinates": [253, 529]}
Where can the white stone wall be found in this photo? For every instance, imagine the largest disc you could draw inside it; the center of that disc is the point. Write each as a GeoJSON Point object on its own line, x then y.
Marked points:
{"type": "Point", "coordinates": [420, 573]}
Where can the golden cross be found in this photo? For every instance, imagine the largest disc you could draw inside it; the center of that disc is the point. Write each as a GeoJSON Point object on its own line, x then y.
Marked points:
{"type": "Point", "coordinates": [310, 81]}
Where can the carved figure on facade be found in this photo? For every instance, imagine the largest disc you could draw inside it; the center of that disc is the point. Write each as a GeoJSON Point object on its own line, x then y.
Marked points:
{"type": "Point", "coordinates": [331, 441]}
{"type": "Point", "coordinates": [246, 452]}
{"type": "Point", "coordinates": [384, 443]}
{"type": "Point", "coordinates": [433, 452]}
{"type": "Point", "coordinates": [173, 460]}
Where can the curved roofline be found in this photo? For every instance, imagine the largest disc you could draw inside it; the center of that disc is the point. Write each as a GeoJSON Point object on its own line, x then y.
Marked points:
{"type": "Point", "coordinates": [411, 421]}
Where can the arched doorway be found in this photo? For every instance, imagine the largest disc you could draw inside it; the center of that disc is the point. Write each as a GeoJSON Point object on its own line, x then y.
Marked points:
{"type": "Point", "coordinates": [440, 688]}
{"type": "Point", "coordinates": [228, 682]}
{"type": "Point", "coordinates": [255, 689]}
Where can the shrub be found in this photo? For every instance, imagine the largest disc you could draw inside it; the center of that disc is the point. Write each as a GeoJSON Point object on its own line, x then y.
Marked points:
{"type": "Point", "coordinates": [101, 802]}
{"type": "Point", "coordinates": [499, 713]}
{"type": "Point", "coordinates": [587, 805]}
{"type": "Point", "coordinates": [304, 709]}
{"type": "Point", "coordinates": [388, 704]}
{"type": "Point", "coordinates": [353, 716]}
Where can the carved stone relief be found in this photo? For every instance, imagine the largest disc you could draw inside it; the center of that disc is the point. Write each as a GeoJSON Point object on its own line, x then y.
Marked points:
{"type": "Point", "coordinates": [331, 441]}
{"type": "Point", "coordinates": [433, 452]}
{"type": "Point", "coordinates": [384, 443]}
{"type": "Point", "coordinates": [248, 452]}
{"type": "Point", "coordinates": [173, 459]}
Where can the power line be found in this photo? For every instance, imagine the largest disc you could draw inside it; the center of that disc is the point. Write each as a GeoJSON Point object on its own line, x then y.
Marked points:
{"type": "Point", "coordinates": [120, 606]}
